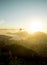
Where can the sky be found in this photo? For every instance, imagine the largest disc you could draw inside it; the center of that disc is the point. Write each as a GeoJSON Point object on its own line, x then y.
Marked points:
{"type": "Point", "coordinates": [19, 13]}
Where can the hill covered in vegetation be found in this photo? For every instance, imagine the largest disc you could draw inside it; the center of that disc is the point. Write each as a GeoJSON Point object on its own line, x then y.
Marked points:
{"type": "Point", "coordinates": [26, 49]}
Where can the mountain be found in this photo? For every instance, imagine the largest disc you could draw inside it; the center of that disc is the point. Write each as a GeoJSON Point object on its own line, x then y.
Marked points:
{"type": "Point", "coordinates": [14, 47]}
{"type": "Point", "coordinates": [38, 42]}
{"type": "Point", "coordinates": [33, 48]}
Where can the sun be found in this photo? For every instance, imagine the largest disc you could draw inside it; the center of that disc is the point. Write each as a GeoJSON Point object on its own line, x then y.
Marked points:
{"type": "Point", "coordinates": [34, 27]}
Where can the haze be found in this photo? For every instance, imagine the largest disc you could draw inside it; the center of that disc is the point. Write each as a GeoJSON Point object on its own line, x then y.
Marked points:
{"type": "Point", "coordinates": [20, 13]}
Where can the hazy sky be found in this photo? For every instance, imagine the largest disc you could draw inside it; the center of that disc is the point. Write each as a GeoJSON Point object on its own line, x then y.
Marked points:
{"type": "Point", "coordinates": [19, 13]}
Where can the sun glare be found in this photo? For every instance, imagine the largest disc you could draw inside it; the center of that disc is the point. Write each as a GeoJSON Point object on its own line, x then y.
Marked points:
{"type": "Point", "coordinates": [35, 26]}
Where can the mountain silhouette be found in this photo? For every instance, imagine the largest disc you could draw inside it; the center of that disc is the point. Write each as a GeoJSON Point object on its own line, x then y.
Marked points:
{"type": "Point", "coordinates": [34, 47]}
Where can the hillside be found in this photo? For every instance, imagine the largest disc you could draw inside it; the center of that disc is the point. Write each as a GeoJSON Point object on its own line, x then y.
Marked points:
{"type": "Point", "coordinates": [33, 47]}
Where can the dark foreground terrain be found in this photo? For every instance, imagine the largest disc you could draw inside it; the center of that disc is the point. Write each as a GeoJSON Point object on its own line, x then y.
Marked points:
{"type": "Point", "coordinates": [13, 53]}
